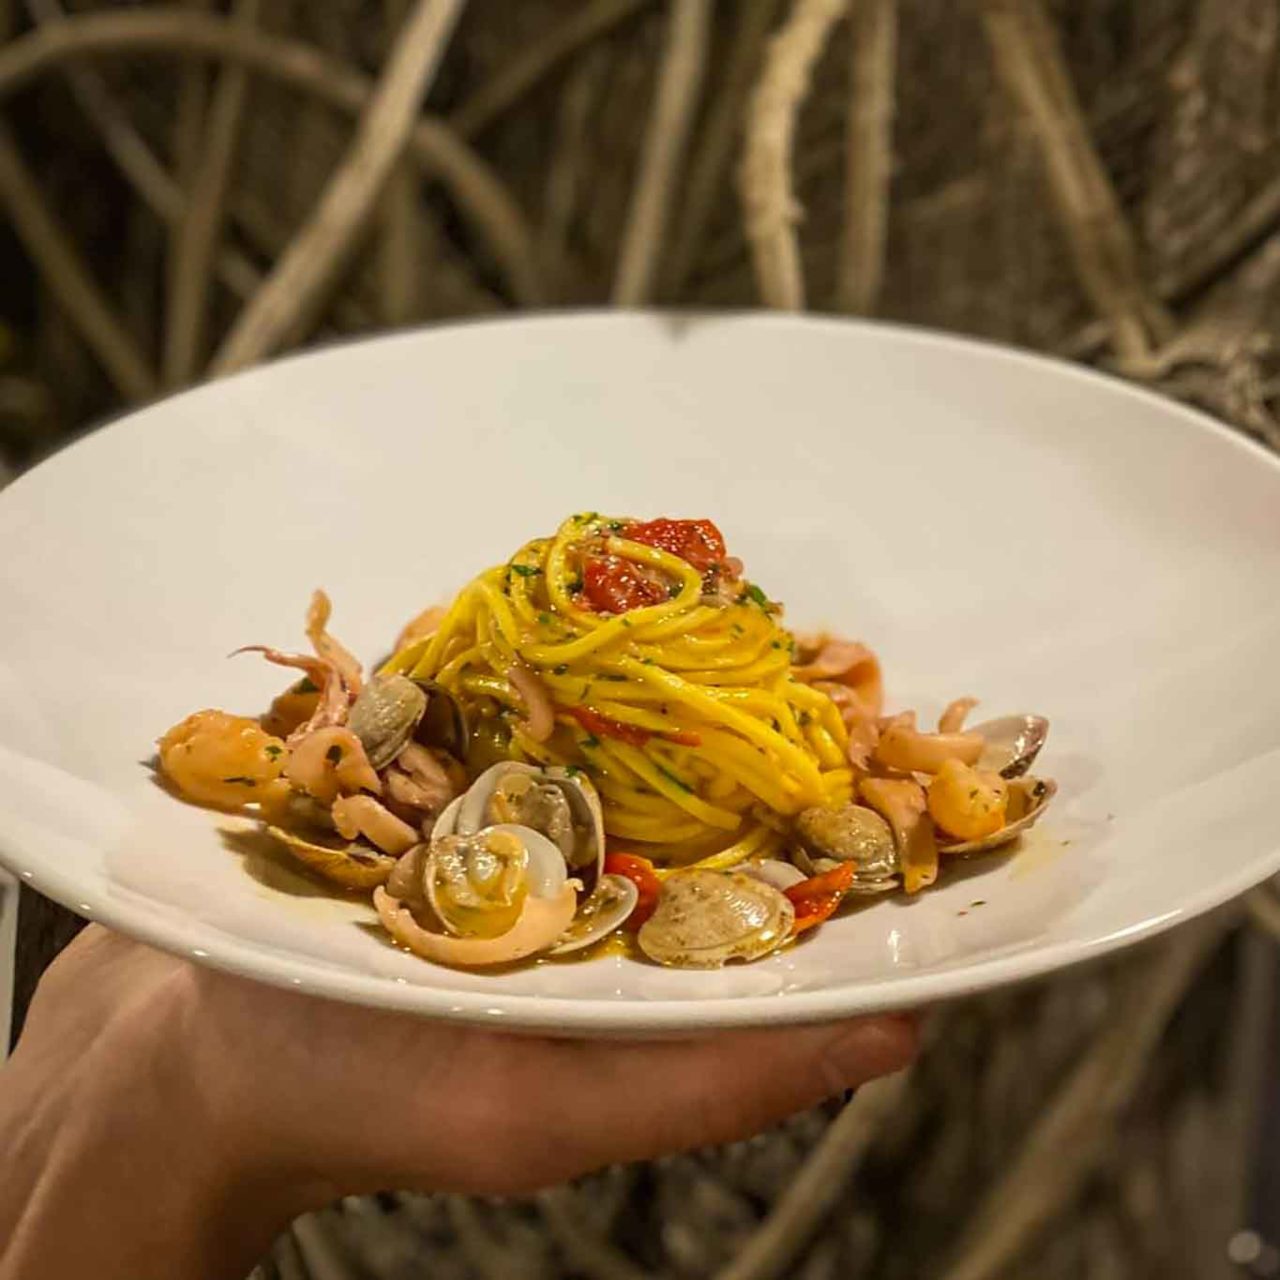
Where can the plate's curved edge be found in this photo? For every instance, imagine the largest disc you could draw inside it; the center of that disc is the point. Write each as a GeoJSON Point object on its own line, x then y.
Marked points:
{"type": "Point", "coordinates": [560, 1016]}
{"type": "Point", "coordinates": [570, 1018]}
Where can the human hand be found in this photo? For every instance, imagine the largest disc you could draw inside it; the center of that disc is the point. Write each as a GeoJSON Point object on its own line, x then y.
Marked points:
{"type": "Point", "coordinates": [245, 1105]}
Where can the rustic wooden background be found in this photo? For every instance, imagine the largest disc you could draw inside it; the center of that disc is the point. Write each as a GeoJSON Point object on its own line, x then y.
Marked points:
{"type": "Point", "coordinates": [192, 187]}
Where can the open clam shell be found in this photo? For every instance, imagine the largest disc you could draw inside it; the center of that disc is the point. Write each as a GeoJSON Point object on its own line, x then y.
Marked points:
{"type": "Point", "coordinates": [1011, 744]}
{"type": "Point", "coordinates": [599, 914]}
{"type": "Point", "coordinates": [476, 883]}
{"type": "Point", "coordinates": [354, 866]}
{"type": "Point", "coordinates": [1028, 799]}
{"type": "Point", "coordinates": [569, 813]}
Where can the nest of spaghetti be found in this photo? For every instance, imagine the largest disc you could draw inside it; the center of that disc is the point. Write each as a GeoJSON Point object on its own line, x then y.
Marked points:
{"type": "Point", "coordinates": [610, 740]}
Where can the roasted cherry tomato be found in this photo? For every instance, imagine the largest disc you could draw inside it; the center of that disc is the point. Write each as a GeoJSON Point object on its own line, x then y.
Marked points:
{"type": "Point", "coordinates": [697, 541]}
{"type": "Point", "coordinates": [817, 898]}
{"type": "Point", "coordinates": [641, 874]}
{"type": "Point", "coordinates": [614, 585]}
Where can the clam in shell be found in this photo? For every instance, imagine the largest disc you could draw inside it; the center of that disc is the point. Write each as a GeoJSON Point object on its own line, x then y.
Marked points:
{"type": "Point", "coordinates": [354, 866]}
{"type": "Point", "coordinates": [850, 833]}
{"type": "Point", "coordinates": [560, 803]}
{"type": "Point", "coordinates": [384, 716]}
{"type": "Point", "coordinates": [706, 918]}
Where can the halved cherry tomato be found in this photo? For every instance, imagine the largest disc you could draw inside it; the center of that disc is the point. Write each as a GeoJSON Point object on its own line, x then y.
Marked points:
{"type": "Point", "coordinates": [614, 585]}
{"type": "Point", "coordinates": [697, 541]}
{"type": "Point", "coordinates": [641, 874]}
{"type": "Point", "coordinates": [817, 897]}
{"type": "Point", "coordinates": [632, 734]}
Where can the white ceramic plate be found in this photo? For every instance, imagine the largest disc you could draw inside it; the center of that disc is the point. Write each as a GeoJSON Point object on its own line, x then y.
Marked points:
{"type": "Point", "coordinates": [993, 523]}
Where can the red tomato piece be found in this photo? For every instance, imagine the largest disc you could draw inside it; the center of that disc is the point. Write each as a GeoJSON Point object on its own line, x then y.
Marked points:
{"type": "Point", "coordinates": [817, 898]}
{"type": "Point", "coordinates": [697, 541]}
{"type": "Point", "coordinates": [641, 874]}
{"type": "Point", "coordinates": [614, 585]}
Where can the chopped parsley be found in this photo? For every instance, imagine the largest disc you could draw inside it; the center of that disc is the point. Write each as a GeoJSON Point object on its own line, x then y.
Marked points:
{"type": "Point", "coordinates": [617, 526]}
{"type": "Point", "coordinates": [738, 629]}
{"type": "Point", "coordinates": [273, 751]}
{"type": "Point", "coordinates": [572, 770]}
{"type": "Point", "coordinates": [560, 668]}
{"type": "Point", "coordinates": [648, 662]}
{"type": "Point", "coordinates": [673, 778]}
{"type": "Point", "coordinates": [586, 517]}
{"type": "Point", "coordinates": [776, 644]}
{"type": "Point", "coordinates": [590, 742]}
{"type": "Point", "coordinates": [306, 685]}
{"type": "Point", "coordinates": [575, 587]}
{"type": "Point", "coordinates": [525, 570]}
{"type": "Point", "coordinates": [752, 592]}
{"type": "Point", "coordinates": [674, 590]}
{"type": "Point", "coordinates": [612, 675]}
{"type": "Point", "coordinates": [804, 717]}
{"type": "Point", "coordinates": [626, 622]}
{"type": "Point", "coordinates": [241, 781]}
{"type": "Point", "coordinates": [545, 618]}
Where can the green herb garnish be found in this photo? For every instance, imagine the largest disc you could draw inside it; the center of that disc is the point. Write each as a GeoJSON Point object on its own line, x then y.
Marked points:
{"type": "Point", "coordinates": [273, 751]}
{"type": "Point", "coordinates": [675, 779]}
{"type": "Point", "coordinates": [525, 570]}
{"type": "Point", "coordinates": [589, 743]}
{"type": "Point", "coordinates": [306, 685]}
{"type": "Point", "coordinates": [752, 592]}
{"type": "Point", "coordinates": [242, 781]}
{"type": "Point", "coordinates": [560, 668]}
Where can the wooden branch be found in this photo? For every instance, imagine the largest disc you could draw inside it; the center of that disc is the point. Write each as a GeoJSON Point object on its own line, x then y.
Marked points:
{"type": "Point", "coordinates": [59, 261]}
{"type": "Point", "coordinates": [200, 230]}
{"type": "Point", "coordinates": [124, 144]}
{"type": "Point", "coordinates": [400, 242]}
{"type": "Point", "coordinates": [593, 19]}
{"type": "Point", "coordinates": [769, 204]}
{"type": "Point", "coordinates": [1079, 1121]}
{"type": "Point", "coordinates": [296, 288]}
{"type": "Point", "coordinates": [1263, 907]}
{"type": "Point", "coordinates": [869, 155]}
{"type": "Point", "coordinates": [567, 167]}
{"type": "Point", "coordinates": [587, 1251]}
{"type": "Point", "coordinates": [1029, 61]}
{"type": "Point", "coordinates": [441, 154]}
{"type": "Point", "coordinates": [823, 1179]}
{"type": "Point", "coordinates": [709, 162]}
{"type": "Point", "coordinates": [675, 101]}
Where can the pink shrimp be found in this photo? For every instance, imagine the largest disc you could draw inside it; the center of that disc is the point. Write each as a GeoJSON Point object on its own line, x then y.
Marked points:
{"type": "Point", "coordinates": [364, 816]}
{"type": "Point", "coordinates": [329, 760]}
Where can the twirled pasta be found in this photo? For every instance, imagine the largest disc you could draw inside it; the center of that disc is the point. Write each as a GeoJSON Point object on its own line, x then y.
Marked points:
{"type": "Point", "coordinates": [685, 712]}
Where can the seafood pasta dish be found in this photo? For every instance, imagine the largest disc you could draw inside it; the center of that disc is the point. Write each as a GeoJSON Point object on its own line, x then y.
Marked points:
{"type": "Point", "coordinates": [609, 742]}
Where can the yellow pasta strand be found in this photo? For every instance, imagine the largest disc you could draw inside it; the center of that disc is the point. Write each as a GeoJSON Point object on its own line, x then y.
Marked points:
{"type": "Point", "coordinates": [684, 713]}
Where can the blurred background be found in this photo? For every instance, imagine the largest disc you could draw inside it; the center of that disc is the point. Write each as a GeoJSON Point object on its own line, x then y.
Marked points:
{"type": "Point", "coordinates": [192, 187]}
